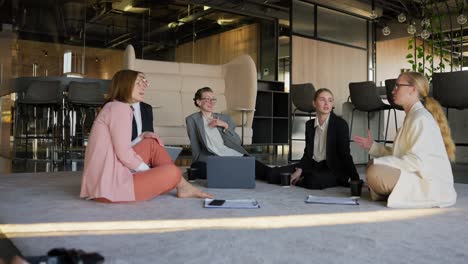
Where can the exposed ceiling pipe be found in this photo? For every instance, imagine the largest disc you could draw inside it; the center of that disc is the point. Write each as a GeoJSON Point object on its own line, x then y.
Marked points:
{"type": "Point", "coordinates": [184, 20]}
{"type": "Point", "coordinates": [247, 7]}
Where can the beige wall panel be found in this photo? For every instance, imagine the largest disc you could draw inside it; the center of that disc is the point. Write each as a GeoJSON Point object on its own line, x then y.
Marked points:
{"type": "Point", "coordinates": [328, 65]}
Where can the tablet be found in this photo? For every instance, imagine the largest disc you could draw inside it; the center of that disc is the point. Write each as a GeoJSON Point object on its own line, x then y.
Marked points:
{"type": "Point", "coordinates": [173, 152]}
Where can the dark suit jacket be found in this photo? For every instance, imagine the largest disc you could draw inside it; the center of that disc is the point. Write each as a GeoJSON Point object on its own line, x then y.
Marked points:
{"type": "Point", "coordinates": [146, 120]}
{"type": "Point", "coordinates": [196, 133]}
{"type": "Point", "coordinates": [339, 159]}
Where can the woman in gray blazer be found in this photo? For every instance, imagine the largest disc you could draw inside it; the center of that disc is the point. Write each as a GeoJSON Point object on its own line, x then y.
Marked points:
{"type": "Point", "coordinates": [214, 134]}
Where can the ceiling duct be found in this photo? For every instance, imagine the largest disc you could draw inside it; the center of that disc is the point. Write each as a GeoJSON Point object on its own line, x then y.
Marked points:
{"type": "Point", "coordinates": [73, 13]}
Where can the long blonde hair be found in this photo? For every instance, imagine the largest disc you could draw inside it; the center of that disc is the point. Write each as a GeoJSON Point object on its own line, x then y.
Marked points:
{"type": "Point", "coordinates": [420, 82]}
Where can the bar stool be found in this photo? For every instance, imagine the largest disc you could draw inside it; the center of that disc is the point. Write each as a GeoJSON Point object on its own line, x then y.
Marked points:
{"type": "Point", "coordinates": [366, 98]}
{"type": "Point", "coordinates": [39, 96]}
{"type": "Point", "coordinates": [302, 96]}
{"type": "Point", "coordinates": [389, 86]}
{"type": "Point", "coordinates": [82, 96]}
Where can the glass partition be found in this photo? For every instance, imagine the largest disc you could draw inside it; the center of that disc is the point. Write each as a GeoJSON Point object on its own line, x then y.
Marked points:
{"type": "Point", "coordinates": [303, 18]}
{"type": "Point", "coordinates": [342, 28]}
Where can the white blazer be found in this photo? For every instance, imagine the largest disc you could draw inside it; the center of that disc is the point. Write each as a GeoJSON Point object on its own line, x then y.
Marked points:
{"type": "Point", "coordinates": [426, 178]}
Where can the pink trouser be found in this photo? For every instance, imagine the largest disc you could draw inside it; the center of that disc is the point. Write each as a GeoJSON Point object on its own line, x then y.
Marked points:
{"type": "Point", "coordinates": [161, 178]}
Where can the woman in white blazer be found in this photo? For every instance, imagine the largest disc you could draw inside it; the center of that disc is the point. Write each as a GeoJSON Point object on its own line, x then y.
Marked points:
{"type": "Point", "coordinates": [415, 172]}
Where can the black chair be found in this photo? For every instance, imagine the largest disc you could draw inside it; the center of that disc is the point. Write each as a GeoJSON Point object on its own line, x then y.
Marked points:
{"type": "Point", "coordinates": [366, 98]}
{"type": "Point", "coordinates": [450, 89]}
{"type": "Point", "coordinates": [389, 86]}
{"type": "Point", "coordinates": [83, 97]}
{"type": "Point", "coordinates": [302, 96]}
{"type": "Point", "coordinates": [40, 99]}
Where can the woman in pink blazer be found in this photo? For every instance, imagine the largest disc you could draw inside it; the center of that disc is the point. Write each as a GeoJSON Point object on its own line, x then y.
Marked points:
{"type": "Point", "coordinates": [116, 171]}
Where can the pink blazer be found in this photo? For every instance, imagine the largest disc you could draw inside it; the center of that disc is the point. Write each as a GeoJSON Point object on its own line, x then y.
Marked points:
{"type": "Point", "coordinates": [110, 156]}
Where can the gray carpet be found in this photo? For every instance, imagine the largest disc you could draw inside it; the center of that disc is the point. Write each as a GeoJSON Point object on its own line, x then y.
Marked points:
{"type": "Point", "coordinates": [42, 211]}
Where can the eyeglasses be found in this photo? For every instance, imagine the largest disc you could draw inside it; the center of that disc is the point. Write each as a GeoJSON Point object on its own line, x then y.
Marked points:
{"type": "Point", "coordinates": [141, 80]}
{"type": "Point", "coordinates": [399, 85]}
{"type": "Point", "coordinates": [206, 99]}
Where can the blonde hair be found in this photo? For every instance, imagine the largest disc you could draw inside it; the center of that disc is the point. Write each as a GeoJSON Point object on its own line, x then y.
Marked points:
{"type": "Point", "coordinates": [420, 82]}
{"type": "Point", "coordinates": [122, 85]}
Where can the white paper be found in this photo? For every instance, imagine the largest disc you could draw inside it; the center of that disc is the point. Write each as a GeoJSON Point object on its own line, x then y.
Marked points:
{"type": "Point", "coordinates": [234, 204]}
{"type": "Point", "coordinates": [332, 200]}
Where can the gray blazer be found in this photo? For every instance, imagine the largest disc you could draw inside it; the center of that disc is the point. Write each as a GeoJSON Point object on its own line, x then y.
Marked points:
{"type": "Point", "coordinates": [196, 133]}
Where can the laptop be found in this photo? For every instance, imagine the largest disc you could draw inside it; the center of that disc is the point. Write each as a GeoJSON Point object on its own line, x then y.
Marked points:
{"type": "Point", "coordinates": [173, 152]}
{"type": "Point", "coordinates": [230, 172]}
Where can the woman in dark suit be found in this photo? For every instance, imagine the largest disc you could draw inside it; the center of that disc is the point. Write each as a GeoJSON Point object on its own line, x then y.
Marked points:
{"type": "Point", "coordinates": [327, 161]}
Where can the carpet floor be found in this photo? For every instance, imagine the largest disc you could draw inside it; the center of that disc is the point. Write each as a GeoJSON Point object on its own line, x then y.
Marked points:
{"type": "Point", "coordinates": [42, 211]}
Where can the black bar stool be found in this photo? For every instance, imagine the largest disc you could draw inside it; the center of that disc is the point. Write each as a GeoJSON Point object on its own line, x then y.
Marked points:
{"type": "Point", "coordinates": [366, 98]}
{"type": "Point", "coordinates": [82, 97]}
{"type": "Point", "coordinates": [41, 104]}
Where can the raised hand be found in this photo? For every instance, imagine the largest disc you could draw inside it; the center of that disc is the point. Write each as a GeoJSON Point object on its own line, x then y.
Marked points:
{"type": "Point", "coordinates": [215, 122]}
{"type": "Point", "coordinates": [365, 143]}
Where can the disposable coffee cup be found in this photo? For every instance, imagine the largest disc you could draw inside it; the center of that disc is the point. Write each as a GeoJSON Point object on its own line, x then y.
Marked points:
{"type": "Point", "coordinates": [192, 174]}
{"type": "Point", "coordinates": [356, 187]}
{"type": "Point", "coordinates": [285, 179]}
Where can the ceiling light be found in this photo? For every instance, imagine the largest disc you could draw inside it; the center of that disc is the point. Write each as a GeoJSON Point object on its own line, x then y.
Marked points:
{"type": "Point", "coordinates": [128, 7]}
{"type": "Point", "coordinates": [386, 31]}
{"type": "Point", "coordinates": [206, 8]}
{"type": "Point", "coordinates": [425, 34]}
{"type": "Point", "coordinates": [461, 19]}
{"type": "Point", "coordinates": [411, 29]}
{"type": "Point", "coordinates": [402, 17]}
{"type": "Point", "coordinates": [223, 21]}
{"type": "Point", "coordinates": [425, 22]}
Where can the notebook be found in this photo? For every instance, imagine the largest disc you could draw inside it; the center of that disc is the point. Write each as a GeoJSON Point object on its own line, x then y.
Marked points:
{"type": "Point", "coordinates": [173, 152]}
{"type": "Point", "coordinates": [332, 200]}
{"type": "Point", "coordinates": [230, 172]}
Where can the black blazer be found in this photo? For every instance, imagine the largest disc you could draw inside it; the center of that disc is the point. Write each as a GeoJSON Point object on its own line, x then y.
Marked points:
{"type": "Point", "coordinates": [339, 159]}
{"type": "Point", "coordinates": [146, 120]}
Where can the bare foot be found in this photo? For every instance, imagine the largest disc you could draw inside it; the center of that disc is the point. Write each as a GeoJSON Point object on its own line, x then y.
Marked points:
{"type": "Point", "coordinates": [187, 190]}
{"type": "Point", "coordinates": [18, 260]}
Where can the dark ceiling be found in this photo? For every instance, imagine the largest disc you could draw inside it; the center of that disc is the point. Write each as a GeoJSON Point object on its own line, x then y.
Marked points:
{"type": "Point", "coordinates": [167, 23]}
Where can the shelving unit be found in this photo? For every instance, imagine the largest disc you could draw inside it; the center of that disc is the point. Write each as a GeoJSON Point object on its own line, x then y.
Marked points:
{"type": "Point", "coordinates": [270, 124]}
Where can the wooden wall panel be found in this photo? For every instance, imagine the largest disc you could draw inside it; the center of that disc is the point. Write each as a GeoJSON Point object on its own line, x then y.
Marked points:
{"type": "Point", "coordinates": [207, 50]}
{"type": "Point", "coordinates": [328, 65]}
{"type": "Point", "coordinates": [391, 58]}
{"type": "Point", "coordinates": [244, 40]}
{"type": "Point", "coordinates": [221, 48]}
{"type": "Point", "coordinates": [100, 63]}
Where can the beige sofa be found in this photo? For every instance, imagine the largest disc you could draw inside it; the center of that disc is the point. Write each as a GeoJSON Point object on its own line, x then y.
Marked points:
{"type": "Point", "coordinates": [173, 85]}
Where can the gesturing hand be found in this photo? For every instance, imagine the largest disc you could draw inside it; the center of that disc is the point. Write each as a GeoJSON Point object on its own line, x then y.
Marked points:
{"type": "Point", "coordinates": [215, 122]}
{"type": "Point", "coordinates": [365, 143]}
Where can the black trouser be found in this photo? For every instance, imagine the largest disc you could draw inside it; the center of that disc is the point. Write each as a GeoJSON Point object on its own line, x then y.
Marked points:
{"type": "Point", "coordinates": [262, 171]}
{"type": "Point", "coordinates": [317, 175]}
